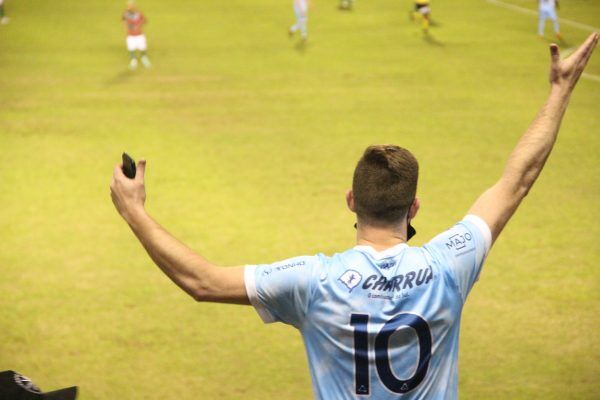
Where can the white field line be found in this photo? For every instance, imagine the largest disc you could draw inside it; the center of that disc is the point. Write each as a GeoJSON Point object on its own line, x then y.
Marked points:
{"type": "Point", "coordinates": [524, 10]}
{"type": "Point", "coordinates": [591, 77]}
{"type": "Point", "coordinates": [575, 24]}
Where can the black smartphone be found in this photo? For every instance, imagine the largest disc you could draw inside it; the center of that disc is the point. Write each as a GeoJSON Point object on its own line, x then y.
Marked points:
{"type": "Point", "coordinates": [128, 166]}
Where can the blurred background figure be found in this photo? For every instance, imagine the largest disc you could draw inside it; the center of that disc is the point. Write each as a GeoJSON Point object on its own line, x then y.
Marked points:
{"type": "Point", "coordinates": [421, 12]}
{"type": "Point", "coordinates": [301, 11]}
{"type": "Point", "coordinates": [136, 40]}
{"type": "Point", "coordinates": [346, 4]}
{"type": "Point", "coordinates": [3, 17]}
{"type": "Point", "coordinates": [547, 10]}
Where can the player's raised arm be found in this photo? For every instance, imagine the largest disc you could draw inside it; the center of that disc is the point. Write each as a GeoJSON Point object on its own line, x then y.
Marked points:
{"type": "Point", "coordinates": [198, 277]}
{"type": "Point", "coordinates": [497, 204]}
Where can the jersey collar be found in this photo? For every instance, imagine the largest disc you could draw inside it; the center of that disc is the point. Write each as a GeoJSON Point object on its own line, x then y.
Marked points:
{"type": "Point", "coordinates": [378, 255]}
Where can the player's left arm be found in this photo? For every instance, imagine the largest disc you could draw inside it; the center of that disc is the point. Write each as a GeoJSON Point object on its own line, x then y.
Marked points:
{"type": "Point", "coordinates": [198, 277]}
{"type": "Point", "coordinates": [498, 204]}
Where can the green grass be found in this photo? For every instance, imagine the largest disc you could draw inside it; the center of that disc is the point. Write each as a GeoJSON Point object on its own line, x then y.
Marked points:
{"type": "Point", "coordinates": [251, 142]}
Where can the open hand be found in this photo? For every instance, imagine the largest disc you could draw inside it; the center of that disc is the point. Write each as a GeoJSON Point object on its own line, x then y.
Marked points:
{"type": "Point", "coordinates": [565, 73]}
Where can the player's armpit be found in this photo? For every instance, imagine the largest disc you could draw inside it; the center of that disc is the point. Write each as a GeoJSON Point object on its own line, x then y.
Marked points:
{"type": "Point", "coordinates": [222, 285]}
{"type": "Point", "coordinates": [497, 205]}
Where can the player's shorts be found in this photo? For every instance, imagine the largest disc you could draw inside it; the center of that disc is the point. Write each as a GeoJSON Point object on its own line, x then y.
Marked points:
{"type": "Point", "coordinates": [300, 9]}
{"type": "Point", "coordinates": [548, 13]}
{"type": "Point", "coordinates": [422, 8]}
{"type": "Point", "coordinates": [136, 42]}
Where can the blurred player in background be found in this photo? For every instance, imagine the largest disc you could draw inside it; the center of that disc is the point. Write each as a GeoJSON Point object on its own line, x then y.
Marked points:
{"type": "Point", "coordinates": [346, 5]}
{"type": "Point", "coordinates": [421, 12]}
{"type": "Point", "coordinates": [547, 9]}
{"type": "Point", "coordinates": [3, 17]}
{"type": "Point", "coordinates": [136, 40]}
{"type": "Point", "coordinates": [301, 12]}
{"type": "Point", "coordinates": [381, 319]}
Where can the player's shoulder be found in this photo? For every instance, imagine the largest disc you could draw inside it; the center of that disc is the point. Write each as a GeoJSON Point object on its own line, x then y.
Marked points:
{"type": "Point", "coordinates": [463, 233]}
{"type": "Point", "coordinates": [296, 262]}
{"type": "Point", "coordinates": [466, 244]}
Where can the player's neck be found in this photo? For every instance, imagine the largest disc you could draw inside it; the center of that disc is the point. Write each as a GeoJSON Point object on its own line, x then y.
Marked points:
{"type": "Point", "coordinates": [380, 238]}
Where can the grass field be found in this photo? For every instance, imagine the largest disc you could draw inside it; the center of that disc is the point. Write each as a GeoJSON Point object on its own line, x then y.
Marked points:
{"type": "Point", "coordinates": [251, 141]}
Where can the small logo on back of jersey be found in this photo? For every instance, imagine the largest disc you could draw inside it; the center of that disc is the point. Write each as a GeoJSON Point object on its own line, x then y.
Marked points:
{"type": "Point", "coordinates": [387, 264]}
{"type": "Point", "coordinates": [350, 279]}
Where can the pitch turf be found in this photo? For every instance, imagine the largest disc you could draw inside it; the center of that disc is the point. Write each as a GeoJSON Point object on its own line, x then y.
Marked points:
{"type": "Point", "coordinates": [251, 141]}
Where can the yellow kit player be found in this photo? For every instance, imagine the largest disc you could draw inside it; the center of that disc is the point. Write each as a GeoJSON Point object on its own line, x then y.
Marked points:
{"type": "Point", "coordinates": [422, 12]}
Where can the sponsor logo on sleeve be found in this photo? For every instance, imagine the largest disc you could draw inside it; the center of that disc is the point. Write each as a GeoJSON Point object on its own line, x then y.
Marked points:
{"type": "Point", "coordinates": [459, 242]}
{"type": "Point", "coordinates": [281, 267]}
{"type": "Point", "coordinates": [350, 279]}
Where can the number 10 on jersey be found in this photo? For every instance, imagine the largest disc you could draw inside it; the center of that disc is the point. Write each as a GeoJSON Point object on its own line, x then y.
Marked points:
{"type": "Point", "coordinates": [360, 322]}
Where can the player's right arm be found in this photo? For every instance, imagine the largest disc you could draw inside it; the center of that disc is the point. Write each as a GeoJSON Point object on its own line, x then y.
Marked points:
{"type": "Point", "coordinates": [497, 204]}
{"type": "Point", "coordinates": [198, 277]}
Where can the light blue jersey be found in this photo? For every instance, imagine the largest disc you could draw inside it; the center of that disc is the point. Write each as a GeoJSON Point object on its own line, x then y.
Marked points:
{"type": "Point", "coordinates": [378, 325]}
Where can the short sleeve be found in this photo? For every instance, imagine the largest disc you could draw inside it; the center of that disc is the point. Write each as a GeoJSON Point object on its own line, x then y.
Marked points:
{"type": "Point", "coordinates": [463, 249]}
{"type": "Point", "coordinates": [280, 292]}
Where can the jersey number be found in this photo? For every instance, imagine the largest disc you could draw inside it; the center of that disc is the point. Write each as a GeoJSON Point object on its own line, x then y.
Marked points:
{"type": "Point", "coordinates": [360, 322]}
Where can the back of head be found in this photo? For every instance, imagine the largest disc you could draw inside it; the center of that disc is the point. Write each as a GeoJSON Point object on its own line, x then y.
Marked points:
{"type": "Point", "coordinates": [384, 184]}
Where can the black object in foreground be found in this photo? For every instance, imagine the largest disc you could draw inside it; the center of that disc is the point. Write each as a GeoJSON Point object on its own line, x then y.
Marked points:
{"type": "Point", "coordinates": [14, 386]}
{"type": "Point", "coordinates": [128, 166]}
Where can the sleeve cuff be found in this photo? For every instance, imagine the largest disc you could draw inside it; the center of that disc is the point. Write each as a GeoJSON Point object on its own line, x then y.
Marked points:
{"type": "Point", "coordinates": [250, 282]}
{"type": "Point", "coordinates": [483, 228]}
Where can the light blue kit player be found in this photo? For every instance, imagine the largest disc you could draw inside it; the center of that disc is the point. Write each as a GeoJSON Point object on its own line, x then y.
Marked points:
{"type": "Point", "coordinates": [379, 323]}
{"type": "Point", "coordinates": [547, 10]}
{"type": "Point", "coordinates": [382, 319]}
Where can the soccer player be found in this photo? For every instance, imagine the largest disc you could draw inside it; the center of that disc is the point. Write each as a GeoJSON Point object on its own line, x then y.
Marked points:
{"type": "Point", "coordinates": [422, 12]}
{"type": "Point", "coordinates": [381, 319]}
{"type": "Point", "coordinates": [547, 9]}
{"type": "Point", "coordinates": [301, 12]}
{"type": "Point", "coordinates": [136, 40]}
{"type": "Point", "coordinates": [3, 18]}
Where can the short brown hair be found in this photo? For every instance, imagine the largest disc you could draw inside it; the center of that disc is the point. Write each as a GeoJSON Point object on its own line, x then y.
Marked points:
{"type": "Point", "coordinates": [384, 184]}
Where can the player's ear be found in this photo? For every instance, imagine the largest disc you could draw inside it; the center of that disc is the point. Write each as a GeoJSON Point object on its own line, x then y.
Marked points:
{"type": "Point", "coordinates": [414, 208]}
{"type": "Point", "coordinates": [350, 200]}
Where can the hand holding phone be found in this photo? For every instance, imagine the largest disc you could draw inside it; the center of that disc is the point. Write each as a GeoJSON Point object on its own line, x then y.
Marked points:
{"type": "Point", "coordinates": [128, 166]}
